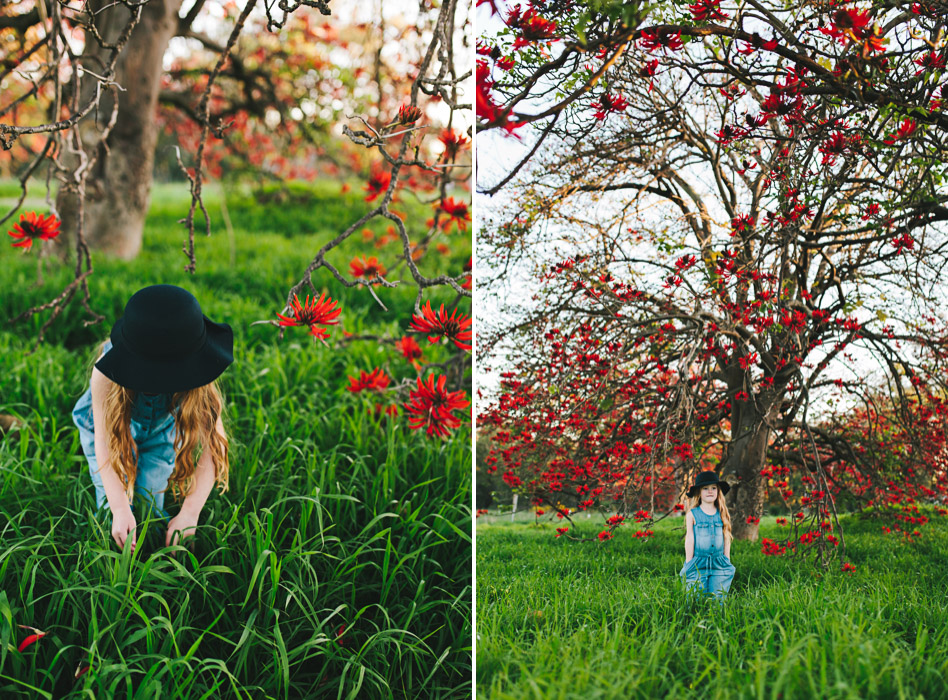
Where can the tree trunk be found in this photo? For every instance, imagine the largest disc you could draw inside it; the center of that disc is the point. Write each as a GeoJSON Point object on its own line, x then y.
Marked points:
{"type": "Point", "coordinates": [119, 186]}
{"type": "Point", "coordinates": [745, 458]}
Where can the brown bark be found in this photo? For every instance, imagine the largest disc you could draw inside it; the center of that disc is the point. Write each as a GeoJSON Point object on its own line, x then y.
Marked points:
{"type": "Point", "coordinates": [745, 458]}
{"type": "Point", "coordinates": [119, 187]}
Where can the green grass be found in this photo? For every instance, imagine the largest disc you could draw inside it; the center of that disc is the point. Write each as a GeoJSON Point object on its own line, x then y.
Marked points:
{"type": "Point", "coordinates": [333, 518]}
{"type": "Point", "coordinates": [562, 619]}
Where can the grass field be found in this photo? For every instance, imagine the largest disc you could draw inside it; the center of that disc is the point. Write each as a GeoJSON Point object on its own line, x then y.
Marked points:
{"type": "Point", "coordinates": [338, 564]}
{"type": "Point", "coordinates": [561, 619]}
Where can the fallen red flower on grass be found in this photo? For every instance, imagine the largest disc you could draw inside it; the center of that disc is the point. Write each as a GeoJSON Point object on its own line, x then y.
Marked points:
{"type": "Point", "coordinates": [435, 325]}
{"type": "Point", "coordinates": [30, 638]}
{"type": "Point", "coordinates": [431, 407]}
{"type": "Point", "coordinates": [313, 314]}
{"type": "Point", "coordinates": [33, 226]}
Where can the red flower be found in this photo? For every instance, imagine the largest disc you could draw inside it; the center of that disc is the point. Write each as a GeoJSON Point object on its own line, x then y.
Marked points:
{"type": "Point", "coordinates": [609, 103]}
{"type": "Point", "coordinates": [781, 521]}
{"type": "Point", "coordinates": [378, 183]}
{"type": "Point", "coordinates": [615, 520]}
{"type": "Point", "coordinates": [431, 407]}
{"type": "Point", "coordinates": [605, 535]}
{"type": "Point", "coordinates": [678, 507]}
{"type": "Point", "coordinates": [367, 268]}
{"type": "Point", "coordinates": [438, 324]}
{"type": "Point", "coordinates": [376, 380]}
{"type": "Point", "coordinates": [457, 213]}
{"type": "Point", "coordinates": [409, 348]}
{"type": "Point", "coordinates": [906, 129]}
{"type": "Point", "coordinates": [848, 568]}
{"type": "Point", "coordinates": [378, 410]}
{"type": "Point", "coordinates": [313, 314]}
{"type": "Point", "coordinates": [752, 520]}
{"type": "Point", "coordinates": [453, 142]}
{"type": "Point", "coordinates": [408, 114]}
{"type": "Point", "coordinates": [705, 10]}
{"type": "Point", "coordinates": [532, 27]}
{"type": "Point", "coordinates": [487, 109]}
{"type": "Point", "coordinates": [32, 226]}
{"type": "Point", "coordinates": [661, 38]}
{"type": "Point", "coordinates": [561, 531]}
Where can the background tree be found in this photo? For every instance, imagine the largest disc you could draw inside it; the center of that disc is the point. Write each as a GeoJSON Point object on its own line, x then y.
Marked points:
{"type": "Point", "coordinates": [747, 224]}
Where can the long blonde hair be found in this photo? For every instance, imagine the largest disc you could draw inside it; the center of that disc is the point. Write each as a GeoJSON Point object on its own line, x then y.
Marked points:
{"type": "Point", "coordinates": [721, 504]}
{"type": "Point", "coordinates": [196, 412]}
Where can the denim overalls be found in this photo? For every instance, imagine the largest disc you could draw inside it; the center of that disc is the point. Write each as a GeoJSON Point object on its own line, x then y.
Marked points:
{"type": "Point", "coordinates": [153, 430]}
{"type": "Point", "coordinates": [709, 570]}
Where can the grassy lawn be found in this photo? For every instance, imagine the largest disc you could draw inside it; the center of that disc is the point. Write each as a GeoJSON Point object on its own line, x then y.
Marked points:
{"type": "Point", "coordinates": [337, 565]}
{"type": "Point", "coordinates": [561, 619]}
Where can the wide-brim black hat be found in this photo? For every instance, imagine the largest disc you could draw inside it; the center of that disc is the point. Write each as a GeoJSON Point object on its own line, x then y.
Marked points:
{"type": "Point", "coordinates": [708, 478]}
{"type": "Point", "coordinates": [164, 343]}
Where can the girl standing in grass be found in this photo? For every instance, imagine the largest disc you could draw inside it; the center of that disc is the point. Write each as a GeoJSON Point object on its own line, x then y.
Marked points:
{"type": "Point", "coordinates": [708, 538]}
{"type": "Point", "coordinates": [152, 400]}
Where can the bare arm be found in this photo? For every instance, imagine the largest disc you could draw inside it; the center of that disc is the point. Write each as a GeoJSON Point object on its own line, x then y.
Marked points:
{"type": "Point", "coordinates": [689, 536]}
{"type": "Point", "coordinates": [201, 486]}
{"type": "Point", "coordinates": [123, 521]}
{"type": "Point", "coordinates": [727, 547]}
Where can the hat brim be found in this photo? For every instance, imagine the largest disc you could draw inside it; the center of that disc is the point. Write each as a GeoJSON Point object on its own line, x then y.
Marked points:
{"type": "Point", "coordinates": [138, 373]}
{"type": "Point", "coordinates": [723, 486]}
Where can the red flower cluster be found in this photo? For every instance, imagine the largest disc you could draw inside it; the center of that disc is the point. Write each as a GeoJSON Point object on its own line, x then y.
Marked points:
{"type": "Point", "coordinates": [781, 521]}
{"type": "Point", "coordinates": [33, 226]}
{"type": "Point", "coordinates": [438, 324]}
{"type": "Point", "coordinates": [705, 10]}
{"type": "Point", "coordinates": [661, 39]}
{"type": "Point", "coordinates": [313, 314]}
{"type": "Point", "coordinates": [532, 27]}
{"type": "Point", "coordinates": [615, 520]}
{"type": "Point", "coordinates": [853, 25]}
{"type": "Point", "coordinates": [376, 380]}
{"type": "Point", "coordinates": [848, 568]}
{"type": "Point", "coordinates": [487, 109]}
{"type": "Point", "coordinates": [771, 548]}
{"type": "Point", "coordinates": [431, 407]}
{"type": "Point", "coordinates": [609, 103]}
{"type": "Point", "coordinates": [561, 531]}
{"type": "Point", "coordinates": [752, 520]}
{"type": "Point", "coordinates": [643, 534]}
{"type": "Point", "coordinates": [605, 535]}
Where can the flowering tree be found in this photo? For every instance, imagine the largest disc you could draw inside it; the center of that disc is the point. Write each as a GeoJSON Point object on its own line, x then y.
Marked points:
{"type": "Point", "coordinates": [255, 83]}
{"type": "Point", "coordinates": [745, 203]}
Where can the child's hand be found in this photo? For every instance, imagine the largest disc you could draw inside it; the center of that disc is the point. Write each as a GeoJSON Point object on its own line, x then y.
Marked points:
{"type": "Point", "coordinates": [180, 526]}
{"type": "Point", "coordinates": [123, 526]}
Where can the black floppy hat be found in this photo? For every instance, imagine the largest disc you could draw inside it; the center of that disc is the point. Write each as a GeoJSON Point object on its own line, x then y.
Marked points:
{"type": "Point", "coordinates": [164, 343]}
{"type": "Point", "coordinates": [708, 478]}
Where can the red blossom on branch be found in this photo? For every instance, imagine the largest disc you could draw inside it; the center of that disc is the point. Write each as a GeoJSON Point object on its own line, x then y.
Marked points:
{"type": "Point", "coordinates": [367, 268]}
{"type": "Point", "coordinates": [378, 183]}
{"type": "Point", "coordinates": [661, 38]}
{"type": "Point", "coordinates": [313, 314]}
{"type": "Point", "coordinates": [705, 10]}
{"type": "Point", "coordinates": [33, 226]}
{"type": "Point", "coordinates": [376, 380]}
{"type": "Point", "coordinates": [435, 325]}
{"type": "Point", "coordinates": [410, 349]}
{"type": "Point", "coordinates": [431, 407]}
{"type": "Point", "coordinates": [457, 212]}
{"type": "Point", "coordinates": [408, 114]}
